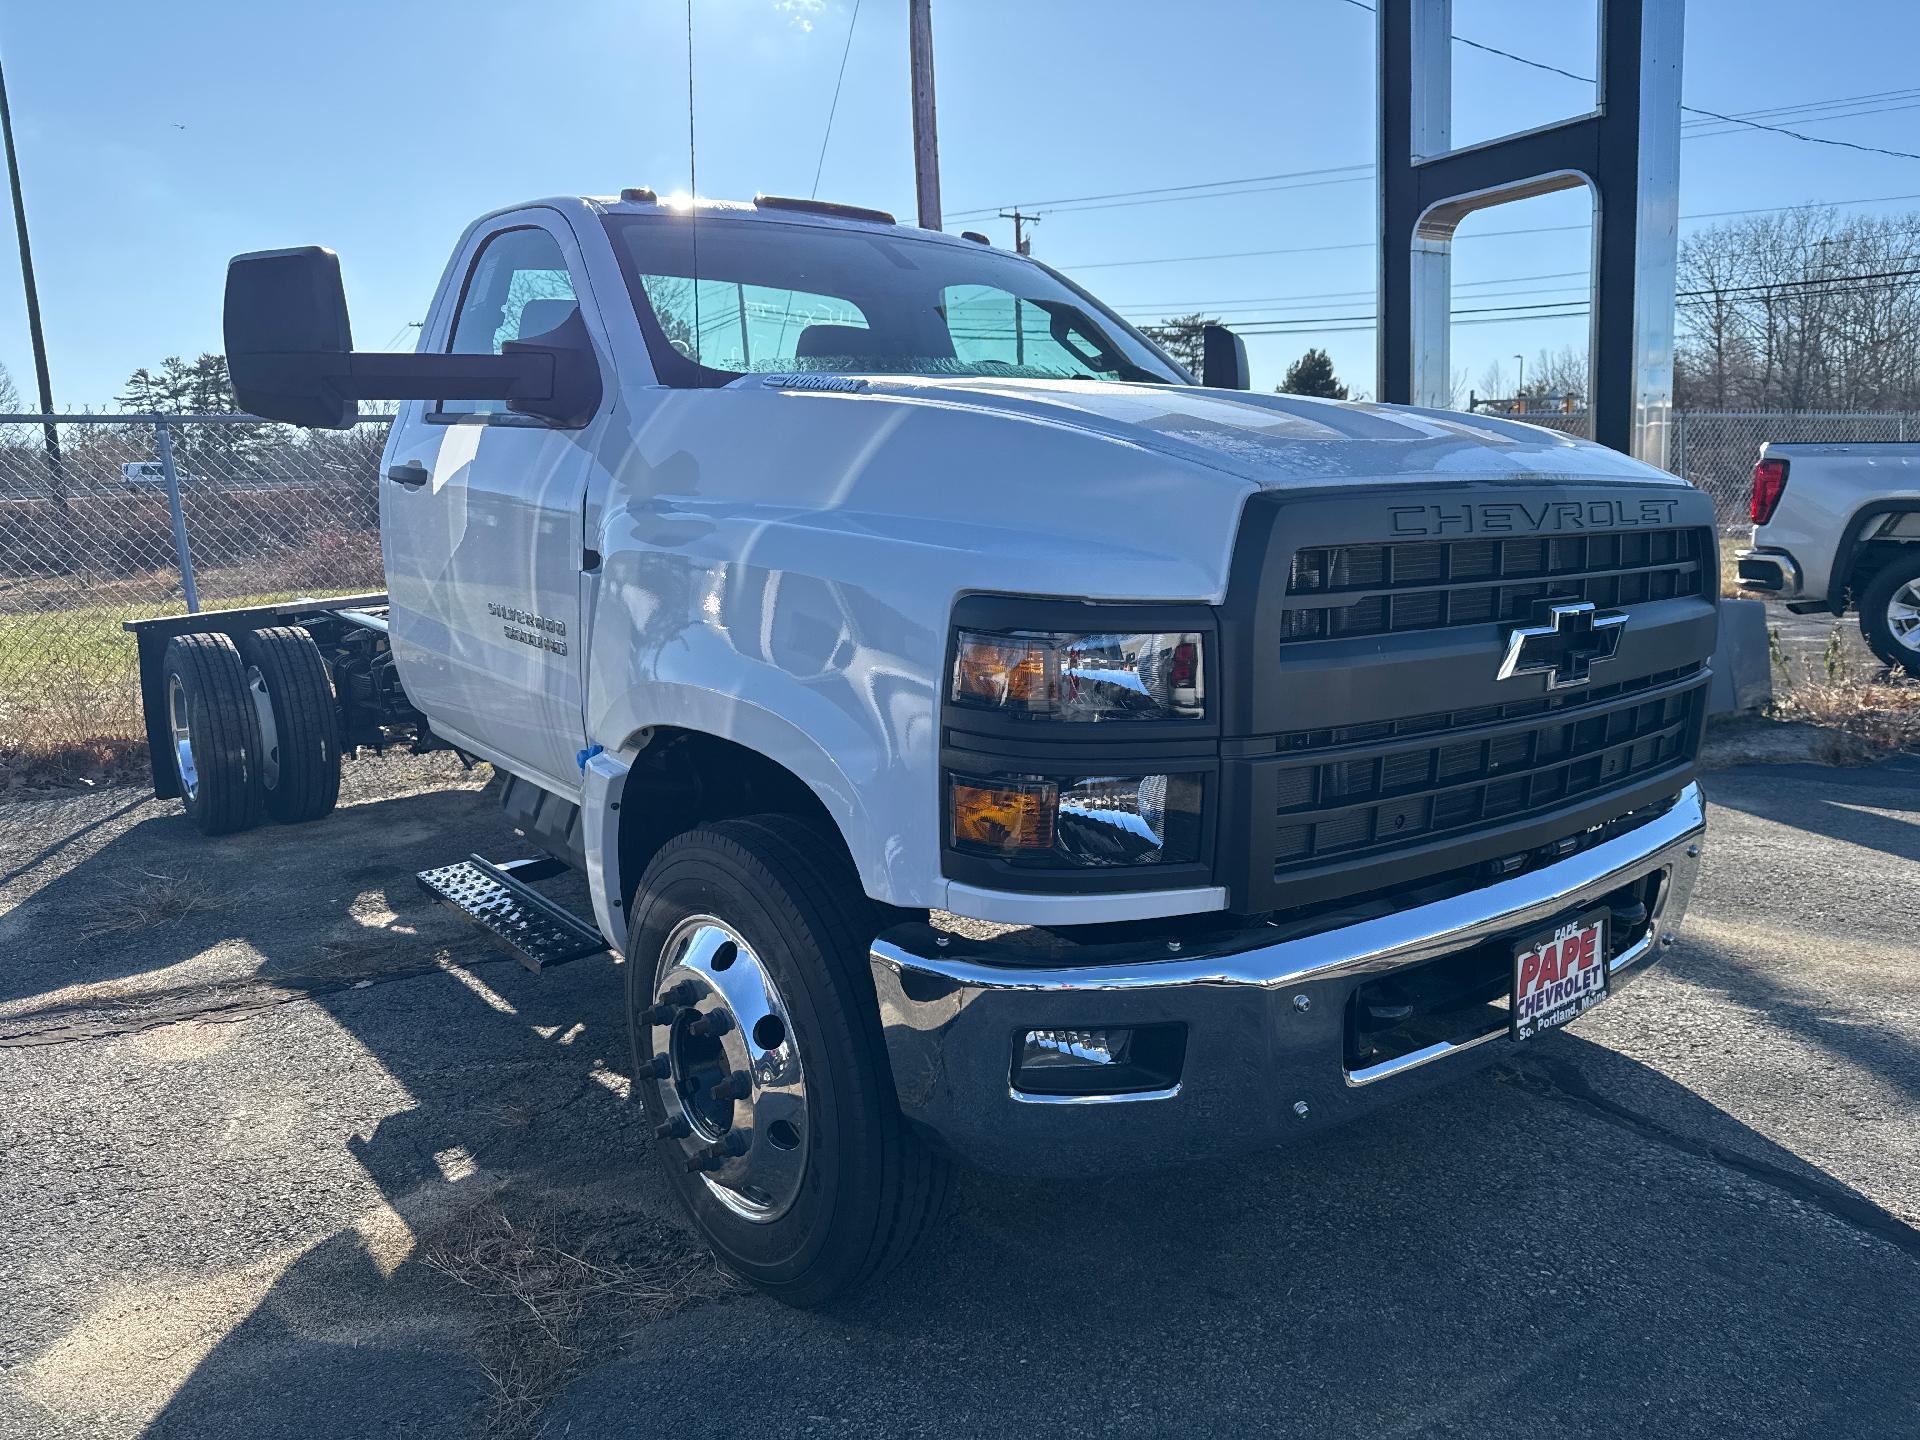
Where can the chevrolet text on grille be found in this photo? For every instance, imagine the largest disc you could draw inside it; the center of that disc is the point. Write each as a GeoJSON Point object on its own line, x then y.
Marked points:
{"type": "Point", "coordinates": [1506, 517]}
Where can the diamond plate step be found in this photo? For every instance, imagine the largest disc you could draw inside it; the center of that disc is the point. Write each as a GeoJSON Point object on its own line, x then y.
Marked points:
{"type": "Point", "coordinates": [538, 932]}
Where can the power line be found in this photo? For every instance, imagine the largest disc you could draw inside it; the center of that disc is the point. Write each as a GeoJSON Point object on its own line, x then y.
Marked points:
{"type": "Point", "coordinates": [990, 210]}
{"type": "Point", "coordinates": [1566, 309]}
{"type": "Point", "coordinates": [821, 163]}
{"type": "Point", "coordinates": [1486, 234]}
{"type": "Point", "coordinates": [1227, 308]}
{"type": "Point", "coordinates": [1260, 184]}
{"type": "Point", "coordinates": [1689, 109]}
{"type": "Point", "coordinates": [1172, 305]}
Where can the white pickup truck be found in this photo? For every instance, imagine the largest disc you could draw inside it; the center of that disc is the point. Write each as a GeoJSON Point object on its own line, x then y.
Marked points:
{"type": "Point", "coordinates": [1838, 527]}
{"type": "Point", "coordinates": [979, 741]}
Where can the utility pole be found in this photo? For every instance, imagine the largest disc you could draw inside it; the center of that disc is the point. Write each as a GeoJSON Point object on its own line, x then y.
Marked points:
{"type": "Point", "coordinates": [1520, 392]}
{"type": "Point", "coordinates": [1022, 245]}
{"type": "Point", "coordinates": [51, 432]}
{"type": "Point", "coordinates": [926, 139]}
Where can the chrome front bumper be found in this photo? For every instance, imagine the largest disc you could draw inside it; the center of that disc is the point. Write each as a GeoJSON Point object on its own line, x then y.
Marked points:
{"type": "Point", "coordinates": [1265, 1057]}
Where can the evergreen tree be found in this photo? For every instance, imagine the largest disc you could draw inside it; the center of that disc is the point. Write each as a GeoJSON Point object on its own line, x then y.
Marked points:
{"type": "Point", "coordinates": [1180, 337]}
{"type": "Point", "coordinates": [1312, 374]}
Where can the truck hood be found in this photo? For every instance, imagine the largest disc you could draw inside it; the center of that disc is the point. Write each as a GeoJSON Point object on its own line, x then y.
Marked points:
{"type": "Point", "coordinates": [1272, 440]}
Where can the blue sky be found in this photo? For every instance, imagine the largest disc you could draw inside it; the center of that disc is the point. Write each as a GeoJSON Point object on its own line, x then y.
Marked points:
{"type": "Point", "coordinates": [158, 140]}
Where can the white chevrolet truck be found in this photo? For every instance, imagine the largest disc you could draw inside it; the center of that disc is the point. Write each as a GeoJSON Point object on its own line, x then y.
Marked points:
{"type": "Point", "coordinates": [1837, 527]}
{"type": "Point", "coordinates": [980, 742]}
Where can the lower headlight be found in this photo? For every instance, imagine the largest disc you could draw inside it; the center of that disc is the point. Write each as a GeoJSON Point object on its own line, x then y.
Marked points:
{"type": "Point", "coordinates": [1101, 820]}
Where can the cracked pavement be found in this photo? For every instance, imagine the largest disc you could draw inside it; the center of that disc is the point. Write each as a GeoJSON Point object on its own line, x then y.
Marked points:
{"type": "Point", "coordinates": [247, 1086]}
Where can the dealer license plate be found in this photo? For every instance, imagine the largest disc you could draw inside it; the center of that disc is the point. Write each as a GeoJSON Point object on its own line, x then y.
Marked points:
{"type": "Point", "coordinates": [1559, 975]}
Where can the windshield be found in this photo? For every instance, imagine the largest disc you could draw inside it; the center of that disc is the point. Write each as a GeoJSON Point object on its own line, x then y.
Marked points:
{"type": "Point", "coordinates": [780, 297]}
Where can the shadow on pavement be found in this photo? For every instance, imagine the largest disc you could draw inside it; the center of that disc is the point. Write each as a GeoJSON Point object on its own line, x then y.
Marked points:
{"type": "Point", "coordinates": [1845, 798]}
{"type": "Point", "coordinates": [1502, 1257]}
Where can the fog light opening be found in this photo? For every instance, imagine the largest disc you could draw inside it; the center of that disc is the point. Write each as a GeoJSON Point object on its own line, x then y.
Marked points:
{"type": "Point", "coordinates": [1099, 1060]}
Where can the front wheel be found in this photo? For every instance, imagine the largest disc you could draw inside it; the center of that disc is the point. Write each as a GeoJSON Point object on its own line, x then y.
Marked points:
{"type": "Point", "coordinates": [758, 1055]}
{"type": "Point", "coordinates": [1890, 611]}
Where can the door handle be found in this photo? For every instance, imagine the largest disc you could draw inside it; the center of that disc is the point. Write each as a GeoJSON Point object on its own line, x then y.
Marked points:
{"type": "Point", "coordinates": [412, 474]}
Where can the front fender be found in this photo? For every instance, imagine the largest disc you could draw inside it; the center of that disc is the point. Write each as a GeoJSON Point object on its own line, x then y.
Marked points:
{"type": "Point", "coordinates": [851, 718]}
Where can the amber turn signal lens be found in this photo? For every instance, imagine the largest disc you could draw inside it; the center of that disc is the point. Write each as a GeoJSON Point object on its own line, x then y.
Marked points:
{"type": "Point", "coordinates": [1002, 815]}
{"type": "Point", "coordinates": [1001, 671]}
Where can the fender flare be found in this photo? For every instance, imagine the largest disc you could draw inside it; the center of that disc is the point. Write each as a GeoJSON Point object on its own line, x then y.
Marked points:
{"type": "Point", "coordinates": [830, 755]}
{"type": "Point", "coordinates": [1851, 540]}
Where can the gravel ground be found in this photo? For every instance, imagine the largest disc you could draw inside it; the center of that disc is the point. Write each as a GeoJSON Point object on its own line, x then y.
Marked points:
{"type": "Point", "coordinates": [289, 1150]}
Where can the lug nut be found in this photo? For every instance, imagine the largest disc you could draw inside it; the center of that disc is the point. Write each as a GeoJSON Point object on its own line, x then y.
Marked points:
{"type": "Point", "coordinates": [674, 1129]}
{"type": "Point", "coordinates": [714, 1022]}
{"type": "Point", "coordinates": [733, 1143]}
{"type": "Point", "coordinates": [662, 1014]}
{"type": "Point", "coordinates": [683, 993]}
{"type": "Point", "coordinates": [736, 1086]}
{"type": "Point", "coordinates": [659, 1067]}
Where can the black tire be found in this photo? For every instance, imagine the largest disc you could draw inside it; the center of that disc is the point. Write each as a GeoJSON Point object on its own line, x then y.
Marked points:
{"type": "Point", "coordinates": [300, 756]}
{"type": "Point", "coordinates": [206, 693]}
{"type": "Point", "coordinates": [1875, 623]}
{"type": "Point", "coordinates": [870, 1187]}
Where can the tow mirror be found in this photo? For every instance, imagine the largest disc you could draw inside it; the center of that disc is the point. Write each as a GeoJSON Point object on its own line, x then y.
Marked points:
{"type": "Point", "coordinates": [291, 357]}
{"type": "Point", "coordinates": [1223, 359]}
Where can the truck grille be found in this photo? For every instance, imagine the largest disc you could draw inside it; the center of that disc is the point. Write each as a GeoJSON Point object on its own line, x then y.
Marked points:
{"type": "Point", "coordinates": [1367, 790]}
{"type": "Point", "coordinates": [1355, 590]}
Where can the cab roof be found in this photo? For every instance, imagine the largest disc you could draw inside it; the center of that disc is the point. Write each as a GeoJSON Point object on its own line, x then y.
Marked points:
{"type": "Point", "coordinates": [777, 209]}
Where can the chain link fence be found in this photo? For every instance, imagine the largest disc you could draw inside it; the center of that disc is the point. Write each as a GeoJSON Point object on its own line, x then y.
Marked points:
{"type": "Point", "coordinates": [129, 515]}
{"type": "Point", "coordinates": [149, 515]}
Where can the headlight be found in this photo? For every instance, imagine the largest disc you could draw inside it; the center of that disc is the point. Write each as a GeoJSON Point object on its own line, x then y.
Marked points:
{"type": "Point", "coordinates": [1098, 821]}
{"type": "Point", "coordinates": [1049, 675]}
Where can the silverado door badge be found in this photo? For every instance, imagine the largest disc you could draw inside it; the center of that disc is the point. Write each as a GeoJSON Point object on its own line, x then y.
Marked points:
{"type": "Point", "coordinates": [1567, 639]}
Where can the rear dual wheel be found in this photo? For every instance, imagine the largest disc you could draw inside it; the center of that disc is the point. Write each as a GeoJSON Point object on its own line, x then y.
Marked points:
{"type": "Point", "coordinates": [299, 723]}
{"type": "Point", "coordinates": [759, 1059]}
{"type": "Point", "coordinates": [252, 728]}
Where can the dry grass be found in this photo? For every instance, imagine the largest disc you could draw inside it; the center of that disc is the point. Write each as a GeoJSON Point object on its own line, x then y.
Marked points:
{"type": "Point", "coordinates": [554, 1287]}
{"type": "Point", "coordinates": [1867, 713]}
{"type": "Point", "coordinates": [153, 901]}
{"type": "Point", "coordinates": [1730, 573]}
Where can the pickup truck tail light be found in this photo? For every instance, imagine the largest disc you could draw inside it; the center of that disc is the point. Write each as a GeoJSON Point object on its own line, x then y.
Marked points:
{"type": "Point", "coordinates": [1769, 484]}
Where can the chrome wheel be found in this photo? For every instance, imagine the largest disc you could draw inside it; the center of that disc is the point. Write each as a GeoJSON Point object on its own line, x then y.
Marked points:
{"type": "Point", "coordinates": [1903, 616]}
{"type": "Point", "coordinates": [179, 721]}
{"type": "Point", "coordinates": [728, 1071]}
{"type": "Point", "coordinates": [269, 736]}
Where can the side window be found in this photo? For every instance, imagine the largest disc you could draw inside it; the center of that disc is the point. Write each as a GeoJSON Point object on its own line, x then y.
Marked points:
{"type": "Point", "coordinates": [518, 287]}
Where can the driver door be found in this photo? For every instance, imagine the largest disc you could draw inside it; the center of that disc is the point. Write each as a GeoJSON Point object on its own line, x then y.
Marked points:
{"type": "Point", "coordinates": [481, 521]}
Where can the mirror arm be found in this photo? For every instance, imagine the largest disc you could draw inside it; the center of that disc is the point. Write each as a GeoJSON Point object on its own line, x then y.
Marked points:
{"type": "Point", "coordinates": [359, 375]}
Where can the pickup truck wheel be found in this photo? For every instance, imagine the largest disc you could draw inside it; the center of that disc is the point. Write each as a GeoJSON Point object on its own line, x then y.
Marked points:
{"type": "Point", "coordinates": [758, 1055]}
{"type": "Point", "coordinates": [1890, 612]}
{"type": "Point", "coordinates": [299, 726]}
{"type": "Point", "coordinates": [215, 733]}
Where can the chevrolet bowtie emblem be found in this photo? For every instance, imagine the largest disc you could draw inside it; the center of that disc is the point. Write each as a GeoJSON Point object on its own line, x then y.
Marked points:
{"type": "Point", "coordinates": [1567, 639]}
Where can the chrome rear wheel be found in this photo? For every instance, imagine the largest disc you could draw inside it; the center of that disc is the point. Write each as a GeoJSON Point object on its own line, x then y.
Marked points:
{"type": "Point", "coordinates": [180, 721]}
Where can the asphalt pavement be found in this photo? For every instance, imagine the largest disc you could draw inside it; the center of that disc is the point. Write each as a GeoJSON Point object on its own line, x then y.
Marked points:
{"type": "Point", "coordinates": [286, 1149]}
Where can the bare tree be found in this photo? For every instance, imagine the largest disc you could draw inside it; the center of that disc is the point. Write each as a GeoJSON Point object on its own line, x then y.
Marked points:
{"type": "Point", "coordinates": [1800, 310]}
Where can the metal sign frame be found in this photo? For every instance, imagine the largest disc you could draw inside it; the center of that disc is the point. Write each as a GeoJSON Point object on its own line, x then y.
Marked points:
{"type": "Point", "coordinates": [1626, 151]}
